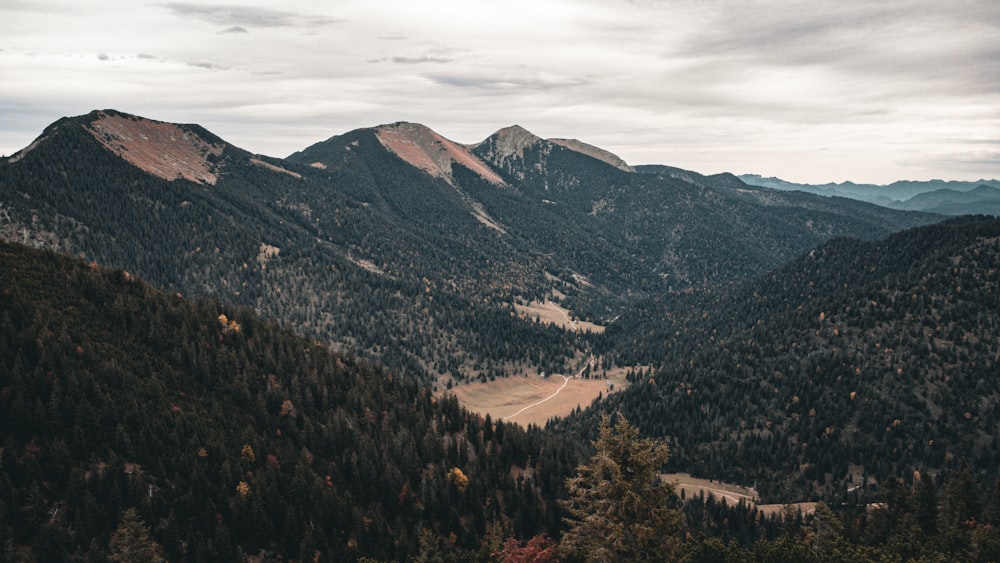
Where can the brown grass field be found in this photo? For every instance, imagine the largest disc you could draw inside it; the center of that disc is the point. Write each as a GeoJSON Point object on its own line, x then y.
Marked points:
{"type": "Point", "coordinates": [732, 494]}
{"type": "Point", "coordinates": [723, 491]}
{"type": "Point", "coordinates": [549, 312]}
{"type": "Point", "coordinates": [807, 508]}
{"type": "Point", "coordinates": [508, 395]}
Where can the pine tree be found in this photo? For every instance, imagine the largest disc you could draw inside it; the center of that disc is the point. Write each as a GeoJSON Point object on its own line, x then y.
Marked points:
{"type": "Point", "coordinates": [828, 530]}
{"type": "Point", "coordinates": [927, 506]}
{"type": "Point", "coordinates": [618, 505]}
{"type": "Point", "coordinates": [961, 501]}
{"type": "Point", "coordinates": [131, 542]}
{"type": "Point", "coordinates": [992, 514]}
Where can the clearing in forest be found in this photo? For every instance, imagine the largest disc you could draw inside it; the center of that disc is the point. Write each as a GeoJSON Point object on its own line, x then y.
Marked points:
{"type": "Point", "coordinates": [732, 494]}
{"type": "Point", "coordinates": [550, 312]}
{"type": "Point", "coordinates": [535, 399]}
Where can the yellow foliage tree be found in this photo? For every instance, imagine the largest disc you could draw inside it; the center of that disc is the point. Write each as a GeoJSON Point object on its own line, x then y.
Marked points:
{"type": "Point", "coordinates": [228, 325]}
{"type": "Point", "coordinates": [459, 479]}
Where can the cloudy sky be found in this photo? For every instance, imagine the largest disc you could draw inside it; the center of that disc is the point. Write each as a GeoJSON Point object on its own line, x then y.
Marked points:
{"type": "Point", "coordinates": [808, 91]}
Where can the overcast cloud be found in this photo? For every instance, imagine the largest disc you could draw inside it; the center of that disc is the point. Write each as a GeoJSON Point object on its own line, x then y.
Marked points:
{"type": "Point", "coordinates": [808, 91]}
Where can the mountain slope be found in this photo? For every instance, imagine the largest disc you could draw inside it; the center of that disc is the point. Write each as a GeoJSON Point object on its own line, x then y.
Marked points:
{"type": "Point", "coordinates": [858, 360]}
{"type": "Point", "coordinates": [568, 223]}
{"type": "Point", "coordinates": [306, 245]}
{"type": "Point", "coordinates": [401, 244]}
{"type": "Point", "coordinates": [231, 436]}
{"type": "Point", "coordinates": [647, 233]}
{"type": "Point", "coordinates": [595, 152]}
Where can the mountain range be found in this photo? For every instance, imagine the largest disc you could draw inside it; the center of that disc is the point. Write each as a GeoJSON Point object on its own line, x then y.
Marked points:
{"type": "Point", "coordinates": [252, 351]}
{"type": "Point", "coordinates": [934, 196]}
{"type": "Point", "coordinates": [400, 244]}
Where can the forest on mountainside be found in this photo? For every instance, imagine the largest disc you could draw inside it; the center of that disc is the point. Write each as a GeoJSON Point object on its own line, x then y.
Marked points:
{"type": "Point", "coordinates": [131, 412]}
{"type": "Point", "coordinates": [858, 361]}
{"type": "Point", "coordinates": [229, 435]}
{"type": "Point", "coordinates": [295, 249]}
{"type": "Point", "coordinates": [351, 244]}
{"type": "Point", "coordinates": [137, 423]}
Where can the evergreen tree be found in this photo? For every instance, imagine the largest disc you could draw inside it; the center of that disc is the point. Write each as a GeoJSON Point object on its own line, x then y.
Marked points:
{"type": "Point", "coordinates": [828, 530]}
{"type": "Point", "coordinates": [961, 502]}
{"type": "Point", "coordinates": [131, 542]}
{"type": "Point", "coordinates": [927, 508]}
{"type": "Point", "coordinates": [619, 506]}
{"type": "Point", "coordinates": [992, 514]}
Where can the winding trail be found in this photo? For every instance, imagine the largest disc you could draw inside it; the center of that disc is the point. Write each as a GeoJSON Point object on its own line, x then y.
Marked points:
{"type": "Point", "coordinates": [563, 386]}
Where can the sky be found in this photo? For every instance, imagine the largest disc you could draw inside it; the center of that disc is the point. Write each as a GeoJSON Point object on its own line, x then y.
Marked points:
{"type": "Point", "coordinates": [809, 91]}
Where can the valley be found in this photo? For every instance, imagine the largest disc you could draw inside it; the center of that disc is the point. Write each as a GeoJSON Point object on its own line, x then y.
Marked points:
{"type": "Point", "coordinates": [418, 341]}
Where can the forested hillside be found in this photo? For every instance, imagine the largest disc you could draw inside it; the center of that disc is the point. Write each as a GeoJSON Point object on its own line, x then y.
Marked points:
{"type": "Point", "coordinates": [853, 371]}
{"type": "Point", "coordinates": [291, 243]}
{"type": "Point", "coordinates": [858, 361]}
{"type": "Point", "coordinates": [400, 244]}
{"type": "Point", "coordinates": [643, 234]}
{"type": "Point", "coordinates": [231, 436]}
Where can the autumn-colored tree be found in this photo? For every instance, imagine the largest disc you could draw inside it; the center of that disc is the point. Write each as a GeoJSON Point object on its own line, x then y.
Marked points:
{"type": "Point", "coordinates": [131, 542]}
{"type": "Point", "coordinates": [539, 549]}
{"type": "Point", "coordinates": [619, 505]}
{"type": "Point", "coordinates": [457, 477]}
{"type": "Point", "coordinates": [243, 488]}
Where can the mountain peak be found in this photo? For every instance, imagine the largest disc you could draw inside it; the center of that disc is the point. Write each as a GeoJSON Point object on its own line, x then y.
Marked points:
{"type": "Point", "coordinates": [425, 149]}
{"type": "Point", "coordinates": [163, 149]}
{"type": "Point", "coordinates": [508, 143]}
{"type": "Point", "coordinates": [518, 133]}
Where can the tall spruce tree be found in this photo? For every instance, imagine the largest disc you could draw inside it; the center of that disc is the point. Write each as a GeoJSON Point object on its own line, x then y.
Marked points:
{"type": "Point", "coordinates": [927, 504]}
{"type": "Point", "coordinates": [131, 542]}
{"type": "Point", "coordinates": [619, 506]}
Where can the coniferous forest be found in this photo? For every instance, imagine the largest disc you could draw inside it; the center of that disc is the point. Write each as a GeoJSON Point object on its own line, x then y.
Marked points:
{"type": "Point", "coordinates": [230, 436]}
{"type": "Point", "coordinates": [253, 367]}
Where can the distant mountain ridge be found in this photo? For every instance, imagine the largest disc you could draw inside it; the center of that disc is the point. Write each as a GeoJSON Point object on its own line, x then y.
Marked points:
{"type": "Point", "coordinates": [902, 194]}
{"type": "Point", "coordinates": [399, 243]}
